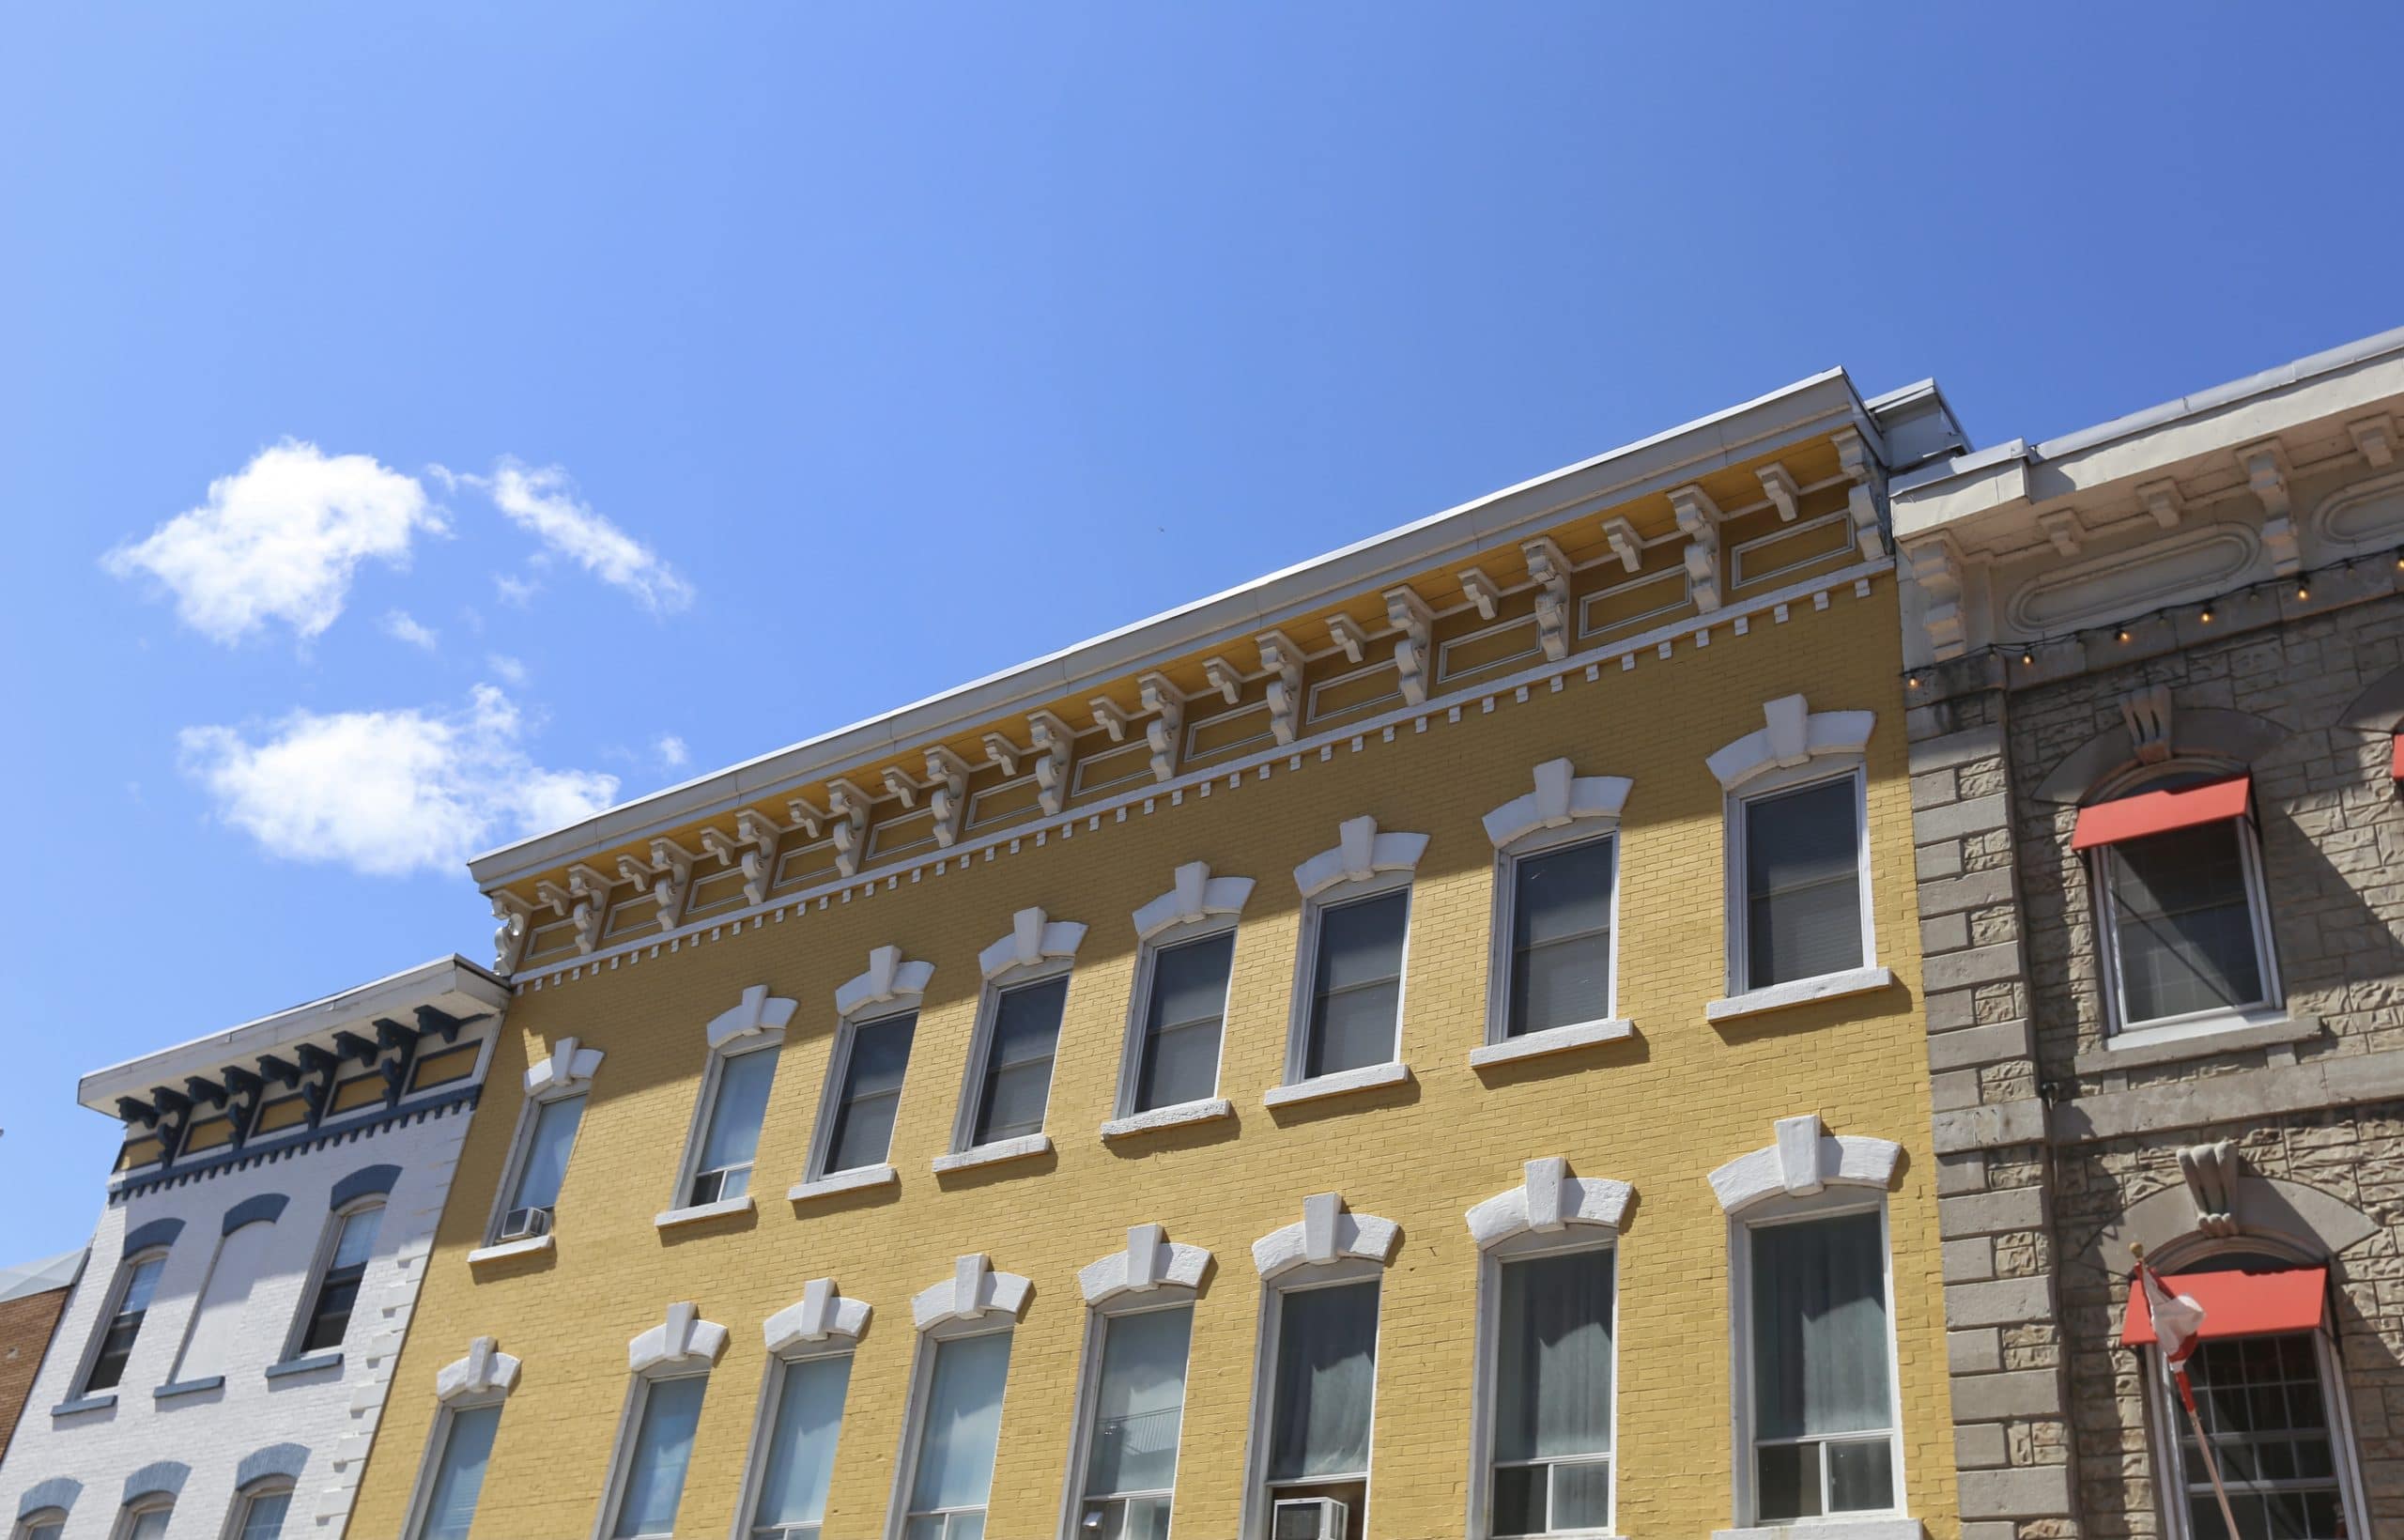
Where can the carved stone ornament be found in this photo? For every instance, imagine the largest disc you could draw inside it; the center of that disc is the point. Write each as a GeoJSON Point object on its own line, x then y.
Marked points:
{"type": "Point", "coordinates": [1699, 519]}
{"type": "Point", "coordinates": [1166, 704]}
{"type": "Point", "coordinates": [821, 1313]}
{"type": "Point", "coordinates": [1034, 940]}
{"type": "Point", "coordinates": [509, 936]}
{"type": "Point", "coordinates": [1054, 743]}
{"type": "Point", "coordinates": [972, 1292]}
{"type": "Point", "coordinates": [486, 1371]}
{"type": "Point", "coordinates": [1149, 1262]}
{"type": "Point", "coordinates": [948, 774]}
{"type": "Point", "coordinates": [847, 821]}
{"type": "Point", "coordinates": [1328, 1232]}
{"type": "Point", "coordinates": [2266, 475]}
{"type": "Point", "coordinates": [569, 1066]}
{"type": "Point", "coordinates": [1936, 568]}
{"type": "Point", "coordinates": [2212, 1172]}
{"type": "Point", "coordinates": [1861, 497]}
{"type": "Point", "coordinates": [1414, 623]}
{"type": "Point", "coordinates": [1561, 798]}
{"type": "Point", "coordinates": [1547, 1202]}
{"type": "Point", "coordinates": [1804, 1160]}
{"type": "Point", "coordinates": [683, 1339]}
{"type": "Point", "coordinates": [2147, 714]}
{"type": "Point", "coordinates": [1196, 894]}
{"type": "Point", "coordinates": [757, 1012]}
{"type": "Point", "coordinates": [1360, 852]}
{"type": "Point", "coordinates": [887, 979]}
{"type": "Point", "coordinates": [1283, 662]}
{"type": "Point", "coordinates": [1549, 570]}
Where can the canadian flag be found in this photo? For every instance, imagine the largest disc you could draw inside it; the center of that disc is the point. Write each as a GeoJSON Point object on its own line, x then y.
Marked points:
{"type": "Point", "coordinates": [2177, 1321]}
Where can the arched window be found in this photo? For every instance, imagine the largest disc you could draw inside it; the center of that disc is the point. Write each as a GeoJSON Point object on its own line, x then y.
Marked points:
{"type": "Point", "coordinates": [342, 1267]}
{"type": "Point", "coordinates": [260, 1510]}
{"type": "Point", "coordinates": [43, 1524]}
{"type": "Point", "coordinates": [146, 1517]}
{"type": "Point", "coordinates": [744, 1043]}
{"type": "Point", "coordinates": [129, 1297]}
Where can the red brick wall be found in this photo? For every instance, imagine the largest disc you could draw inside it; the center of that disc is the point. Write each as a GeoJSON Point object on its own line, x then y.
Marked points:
{"type": "Point", "coordinates": [25, 1325]}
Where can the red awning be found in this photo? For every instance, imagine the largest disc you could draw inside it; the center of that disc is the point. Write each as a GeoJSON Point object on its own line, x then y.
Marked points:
{"type": "Point", "coordinates": [2237, 1305]}
{"type": "Point", "coordinates": [2159, 812]}
{"type": "Point", "coordinates": [2395, 766]}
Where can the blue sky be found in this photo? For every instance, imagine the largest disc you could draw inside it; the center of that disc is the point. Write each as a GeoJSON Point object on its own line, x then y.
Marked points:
{"type": "Point", "coordinates": [417, 423]}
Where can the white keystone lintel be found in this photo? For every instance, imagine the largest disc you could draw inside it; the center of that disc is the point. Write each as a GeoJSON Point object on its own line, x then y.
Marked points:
{"type": "Point", "coordinates": [696, 1213]}
{"type": "Point", "coordinates": [1562, 795]}
{"type": "Point", "coordinates": [1328, 1232]}
{"type": "Point", "coordinates": [1793, 735]}
{"type": "Point", "coordinates": [1797, 992]}
{"type": "Point", "coordinates": [972, 1292]}
{"type": "Point", "coordinates": [1360, 852]}
{"type": "Point", "coordinates": [1148, 1263]}
{"type": "Point", "coordinates": [1033, 940]}
{"type": "Point", "coordinates": [858, 1179]}
{"type": "Point", "coordinates": [1552, 1040]}
{"type": "Point", "coordinates": [1000, 1151]}
{"type": "Point", "coordinates": [484, 1371]}
{"type": "Point", "coordinates": [887, 979]}
{"type": "Point", "coordinates": [1342, 1083]}
{"type": "Point", "coordinates": [1547, 1202]}
{"type": "Point", "coordinates": [821, 1313]}
{"type": "Point", "coordinates": [1197, 895]}
{"type": "Point", "coordinates": [566, 1067]}
{"type": "Point", "coordinates": [758, 1013]}
{"type": "Point", "coordinates": [1805, 1160]}
{"type": "Point", "coordinates": [1208, 1110]}
{"type": "Point", "coordinates": [682, 1340]}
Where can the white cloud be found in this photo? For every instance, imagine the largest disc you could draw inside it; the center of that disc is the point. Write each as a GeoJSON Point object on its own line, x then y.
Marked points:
{"type": "Point", "coordinates": [515, 592]}
{"type": "Point", "coordinates": [279, 540]}
{"type": "Point", "coordinates": [671, 751]}
{"type": "Point", "coordinates": [540, 501]}
{"type": "Point", "coordinates": [389, 792]}
{"type": "Point", "coordinates": [507, 667]}
{"type": "Point", "coordinates": [401, 625]}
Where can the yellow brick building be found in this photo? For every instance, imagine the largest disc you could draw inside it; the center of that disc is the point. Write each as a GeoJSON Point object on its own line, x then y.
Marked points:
{"type": "Point", "coordinates": [1651, 617]}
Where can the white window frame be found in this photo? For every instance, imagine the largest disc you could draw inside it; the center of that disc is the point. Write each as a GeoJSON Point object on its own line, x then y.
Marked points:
{"type": "Point", "coordinates": [1775, 783]}
{"type": "Point", "coordinates": [621, 1449]}
{"type": "Point", "coordinates": [2167, 1422]}
{"type": "Point", "coordinates": [1520, 1248]}
{"type": "Point", "coordinates": [1258, 1499]}
{"type": "Point", "coordinates": [1087, 1404]}
{"type": "Point", "coordinates": [1833, 1203]}
{"type": "Point", "coordinates": [1131, 1057]}
{"type": "Point", "coordinates": [328, 1238]}
{"type": "Point", "coordinates": [914, 1410]}
{"type": "Point", "coordinates": [980, 1047]}
{"type": "Point", "coordinates": [521, 1145]}
{"type": "Point", "coordinates": [764, 1425]}
{"type": "Point", "coordinates": [2270, 1008]}
{"type": "Point", "coordinates": [438, 1439]}
{"type": "Point", "coordinates": [1339, 896]}
{"type": "Point", "coordinates": [1502, 955]}
{"type": "Point", "coordinates": [680, 1198]}
{"type": "Point", "coordinates": [237, 1514]}
{"type": "Point", "coordinates": [31, 1524]}
{"type": "Point", "coordinates": [839, 1069]}
{"type": "Point", "coordinates": [137, 1509]}
{"type": "Point", "coordinates": [114, 1301]}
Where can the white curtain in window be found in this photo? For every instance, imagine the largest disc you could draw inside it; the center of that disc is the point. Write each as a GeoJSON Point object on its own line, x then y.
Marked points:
{"type": "Point", "coordinates": [963, 1424]}
{"type": "Point", "coordinates": [547, 1151]}
{"type": "Point", "coordinates": [459, 1473]}
{"type": "Point", "coordinates": [219, 1339]}
{"type": "Point", "coordinates": [1140, 1403]}
{"type": "Point", "coordinates": [1553, 1393]}
{"type": "Point", "coordinates": [663, 1448]}
{"type": "Point", "coordinates": [742, 1084]}
{"type": "Point", "coordinates": [1819, 1324]}
{"type": "Point", "coordinates": [801, 1446]}
{"type": "Point", "coordinates": [1327, 1374]}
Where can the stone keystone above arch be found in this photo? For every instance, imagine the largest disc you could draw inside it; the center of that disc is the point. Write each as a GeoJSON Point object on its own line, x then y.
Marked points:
{"type": "Point", "coordinates": [972, 1292]}
{"type": "Point", "coordinates": [567, 1067]}
{"type": "Point", "coordinates": [1033, 940]}
{"type": "Point", "coordinates": [1360, 854]}
{"type": "Point", "coordinates": [1147, 1264]}
{"type": "Point", "coordinates": [1793, 734]}
{"type": "Point", "coordinates": [819, 1314]}
{"type": "Point", "coordinates": [889, 977]}
{"type": "Point", "coordinates": [1805, 1159]}
{"type": "Point", "coordinates": [1547, 1202]}
{"type": "Point", "coordinates": [759, 1013]}
{"type": "Point", "coordinates": [1327, 1233]}
{"type": "Point", "coordinates": [486, 1370]}
{"type": "Point", "coordinates": [1197, 895]}
{"type": "Point", "coordinates": [682, 1340]}
{"type": "Point", "coordinates": [1561, 798]}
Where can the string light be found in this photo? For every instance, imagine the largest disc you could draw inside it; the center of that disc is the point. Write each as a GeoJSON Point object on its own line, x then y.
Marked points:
{"type": "Point", "coordinates": [2304, 590]}
{"type": "Point", "coordinates": [2124, 633]}
{"type": "Point", "coordinates": [2026, 658]}
{"type": "Point", "coordinates": [2207, 616]}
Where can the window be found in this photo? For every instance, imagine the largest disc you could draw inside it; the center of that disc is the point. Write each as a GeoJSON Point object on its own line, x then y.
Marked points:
{"type": "Point", "coordinates": [1818, 1363]}
{"type": "Point", "coordinates": [329, 1315]}
{"type": "Point", "coordinates": [138, 1282]}
{"type": "Point", "coordinates": [738, 1103]}
{"type": "Point", "coordinates": [145, 1518]}
{"type": "Point", "coordinates": [1355, 1015]}
{"type": "Point", "coordinates": [958, 1431]}
{"type": "Point", "coordinates": [872, 1069]}
{"type": "Point", "coordinates": [219, 1336]}
{"type": "Point", "coordinates": [805, 1415]}
{"type": "Point", "coordinates": [651, 1485]}
{"type": "Point", "coordinates": [1137, 1411]}
{"type": "Point", "coordinates": [2184, 925]}
{"type": "Point", "coordinates": [1558, 906]}
{"type": "Point", "coordinates": [1551, 1438]}
{"type": "Point", "coordinates": [534, 1189]}
{"type": "Point", "coordinates": [1321, 1393]}
{"type": "Point", "coordinates": [463, 1445]}
{"type": "Point", "coordinates": [49, 1524]}
{"type": "Point", "coordinates": [1802, 863]}
{"type": "Point", "coordinates": [259, 1513]}
{"type": "Point", "coordinates": [1016, 1083]}
{"type": "Point", "coordinates": [1185, 1012]}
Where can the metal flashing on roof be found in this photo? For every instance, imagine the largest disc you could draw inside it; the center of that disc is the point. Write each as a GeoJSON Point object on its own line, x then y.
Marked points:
{"type": "Point", "coordinates": [50, 1272]}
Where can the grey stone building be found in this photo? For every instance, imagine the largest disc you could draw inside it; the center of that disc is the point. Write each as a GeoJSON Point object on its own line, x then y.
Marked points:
{"type": "Point", "coordinates": [2156, 675]}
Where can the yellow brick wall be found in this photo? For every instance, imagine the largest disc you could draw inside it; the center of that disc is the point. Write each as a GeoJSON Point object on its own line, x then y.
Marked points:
{"type": "Point", "coordinates": [1658, 1112]}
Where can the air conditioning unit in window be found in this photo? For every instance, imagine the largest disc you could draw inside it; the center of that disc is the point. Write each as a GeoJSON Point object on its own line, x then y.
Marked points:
{"type": "Point", "coordinates": [1308, 1518]}
{"type": "Point", "coordinates": [525, 1223]}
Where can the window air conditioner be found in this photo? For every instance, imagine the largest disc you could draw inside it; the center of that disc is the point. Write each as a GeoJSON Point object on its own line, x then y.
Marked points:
{"type": "Point", "coordinates": [1308, 1518]}
{"type": "Point", "coordinates": [525, 1223]}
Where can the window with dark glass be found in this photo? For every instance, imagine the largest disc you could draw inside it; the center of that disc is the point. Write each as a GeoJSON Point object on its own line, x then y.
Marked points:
{"type": "Point", "coordinates": [1802, 896]}
{"type": "Point", "coordinates": [1321, 1397]}
{"type": "Point", "coordinates": [738, 1104]}
{"type": "Point", "coordinates": [2184, 923]}
{"type": "Point", "coordinates": [338, 1290]}
{"type": "Point", "coordinates": [1822, 1375]}
{"type": "Point", "coordinates": [542, 1167]}
{"type": "Point", "coordinates": [1561, 937]}
{"type": "Point", "coordinates": [1017, 1082]}
{"type": "Point", "coordinates": [1356, 985]}
{"type": "Point", "coordinates": [1553, 1395]}
{"type": "Point", "coordinates": [1182, 1022]}
{"type": "Point", "coordinates": [872, 1093]}
{"type": "Point", "coordinates": [124, 1323]}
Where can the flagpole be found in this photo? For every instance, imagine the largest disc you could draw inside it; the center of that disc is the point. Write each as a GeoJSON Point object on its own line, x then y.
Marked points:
{"type": "Point", "coordinates": [2187, 1398]}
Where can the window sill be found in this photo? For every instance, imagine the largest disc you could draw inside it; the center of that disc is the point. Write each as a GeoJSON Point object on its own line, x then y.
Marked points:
{"type": "Point", "coordinates": [188, 1387]}
{"type": "Point", "coordinates": [996, 1153]}
{"type": "Point", "coordinates": [1343, 1083]}
{"type": "Point", "coordinates": [1827, 986]}
{"type": "Point", "coordinates": [858, 1179]}
{"type": "Point", "coordinates": [2233, 1033]}
{"type": "Point", "coordinates": [1555, 1039]}
{"type": "Point", "coordinates": [101, 1402]}
{"type": "Point", "coordinates": [696, 1213]}
{"type": "Point", "coordinates": [1830, 1529]}
{"type": "Point", "coordinates": [1175, 1115]}
{"type": "Point", "coordinates": [310, 1364]}
{"type": "Point", "coordinates": [527, 1247]}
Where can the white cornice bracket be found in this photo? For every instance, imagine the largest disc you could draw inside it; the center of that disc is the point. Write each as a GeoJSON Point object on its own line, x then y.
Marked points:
{"type": "Point", "coordinates": [1346, 633]}
{"type": "Point", "coordinates": [2266, 475]}
{"type": "Point", "coordinates": [1561, 798]}
{"type": "Point", "coordinates": [1861, 498]}
{"type": "Point", "coordinates": [1698, 519]}
{"type": "Point", "coordinates": [1166, 704]}
{"type": "Point", "coordinates": [1936, 568]}
{"type": "Point", "coordinates": [806, 816]}
{"type": "Point", "coordinates": [1001, 752]}
{"type": "Point", "coordinates": [1283, 662]}
{"type": "Point", "coordinates": [2162, 501]}
{"type": "Point", "coordinates": [1033, 940]}
{"type": "Point", "coordinates": [948, 773]}
{"type": "Point", "coordinates": [1625, 543]}
{"type": "Point", "coordinates": [847, 821]}
{"type": "Point", "coordinates": [2374, 439]}
{"type": "Point", "coordinates": [2064, 528]}
{"type": "Point", "coordinates": [1778, 484]}
{"type": "Point", "coordinates": [1480, 591]}
{"type": "Point", "coordinates": [1413, 621]}
{"type": "Point", "coordinates": [1110, 716]}
{"type": "Point", "coordinates": [897, 780]}
{"type": "Point", "coordinates": [1549, 570]}
{"type": "Point", "coordinates": [509, 936]}
{"type": "Point", "coordinates": [1054, 743]}
{"type": "Point", "coordinates": [1225, 678]}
